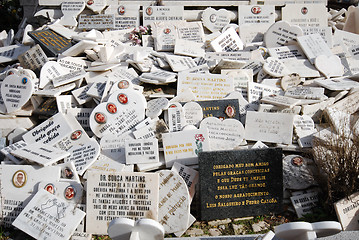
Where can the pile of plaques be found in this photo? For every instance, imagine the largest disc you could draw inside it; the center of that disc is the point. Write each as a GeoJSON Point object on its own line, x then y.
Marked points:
{"type": "Point", "coordinates": [113, 110]}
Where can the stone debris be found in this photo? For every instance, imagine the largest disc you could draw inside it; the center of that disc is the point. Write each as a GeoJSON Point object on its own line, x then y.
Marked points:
{"type": "Point", "coordinates": [111, 110]}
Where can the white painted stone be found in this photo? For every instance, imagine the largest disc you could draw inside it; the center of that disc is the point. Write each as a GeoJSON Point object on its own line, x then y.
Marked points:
{"type": "Point", "coordinates": [83, 155]}
{"type": "Point", "coordinates": [193, 113]}
{"type": "Point", "coordinates": [223, 135]}
{"type": "Point", "coordinates": [281, 33]}
{"type": "Point", "coordinates": [162, 14]}
{"type": "Point", "coordinates": [305, 203]}
{"type": "Point", "coordinates": [196, 82]}
{"type": "Point", "coordinates": [173, 191]}
{"type": "Point", "coordinates": [16, 90]}
{"type": "Point", "coordinates": [228, 41]}
{"type": "Point", "coordinates": [305, 15]}
{"type": "Point", "coordinates": [70, 10]}
{"type": "Point", "coordinates": [346, 210]}
{"type": "Point", "coordinates": [269, 127]}
{"type": "Point", "coordinates": [141, 151]}
{"type": "Point", "coordinates": [275, 67]}
{"type": "Point", "coordinates": [135, 188]}
{"type": "Point", "coordinates": [38, 153]}
{"type": "Point", "coordinates": [55, 213]}
{"type": "Point", "coordinates": [330, 66]}
{"type": "Point", "coordinates": [215, 20]}
{"type": "Point", "coordinates": [184, 146]}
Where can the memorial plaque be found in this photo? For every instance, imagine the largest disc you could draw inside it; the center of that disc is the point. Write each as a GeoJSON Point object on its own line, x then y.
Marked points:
{"type": "Point", "coordinates": [250, 14]}
{"type": "Point", "coordinates": [127, 15]}
{"type": "Point", "coordinates": [305, 203]}
{"type": "Point", "coordinates": [305, 15]}
{"type": "Point", "coordinates": [214, 20]}
{"type": "Point", "coordinates": [120, 194]}
{"type": "Point", "coordinates": [193, 113]}
{"type": "Point", "coordinates": [191, 31]}
{"type": "Point", "coordinates": [141, 151]}
{"type": "Point", "coordinates": [98, 22]}
{"type": "Point", "coordinates": [49, 217]}
{"type": "Point", "coordinates": [51, 42]}
{"type": "Point", "coordinates": [240, 183]}
{"type": "Point", "coordinates": [162, 13]}
{"type": "Point", "coordinates": [12, 52]}
{"type": "Point", "coordinates": [285, 52]}
{"type": "Point", "coordinates": [281, 33]}
{"type": "Point", "coordinates": [33, 59]}
{"type": "Point", "coordinates": [228, 41]}
{"type": "Point", "coordinates": [189, 175]}
{"type": "Point", "coordinates": [70, 10]}
{"type": "Point", "coordinates": [269, 127]}
{"type": "Point", "coordinates": [313, 46]}
{"type": "Point", "coordinates": [205, 86]}
{"type": "Point", "coordinates": [347, 212]}
{"type": "Point", "coordinates": [221, 108]}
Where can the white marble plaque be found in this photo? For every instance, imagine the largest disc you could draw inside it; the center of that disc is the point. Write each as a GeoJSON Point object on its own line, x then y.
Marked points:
{"type": "Point", "coordinates": [313, 45]}
{"type": "Point", "coordinates": [228, 41]}
{"type": "Point", "coordinates": [68, 78]}
{"type": "Point", "coordinates": [269, 127]}
{"type": "Point", "coordinates": [141, 151]}
{"type": "Point", "coordinates": [223, 135]}
{"type": "Point", "coordinates": [281, 101]}
{"type": "Point", "coordinates": [174, 202]}
{"type": "Point", "coordinates": [70, 10]}
{"type": "Point", "coordinates": [189, 48]}
{"type": "Point", "coordinates": [40, 154]}
{"type": "Point", "coordinates": [347, 212]}
{"type": "Point", "coordinates": [305, 203]}
{"type": "Point", "coordinates": [33, 59]}
{"type": "Point", "coordinates": [305, 15]}
{"type": "Point", "coordinates": [73, 64]}
{"type": "Point", "coordinates": [155, 107]}
{"type": "Point", "coordinates": [256, 91]}
{"type": "Point", "coordinates": [303, 92]}
{"type": "Point", "coordinates": [302, 67]}
{"type": "Point", "coordinates": [287, 52]}
{"type": "Point", "coordinates": [241, 78]}
{"type": "Point", "coordinates": [49, 217]}
{"type": "Point", "coordinates": [162, 13]}
{"type": "Point", "coordinates": [338, 84]}
{"type": "Point", "coordinates": [281, 33]}
{"type": "Point", "coordinates": [99, 22]}
{"type": "Point", "coordinates": [205, 86]}
{"type": "Point", "coordinates": [175, 116]}
{"type": "Point", "coordinates": [127, 15]}
{"type": "Point", "coordinates": [193, 113]}
{"type": "Point", "coordinates": [80, 94]}
{"type": "Point", "coordinates": [268, 108]}
{"type": "Point", "coordinates": [12, 52]}
{"type": "Point", "coordinates": [252, 14]}
{"type": "Point", "coordinates": [329, 66]}
{"type": "Point", "coordinates": [189, 175]}
{"type": "Point", "coordinates": [184, 146]}
{"type": "Point", "coordinates": [191, 31]}
{"type": "Point", "coordinates": [275, 67]}
{"type": "Point", "coordinates": [180, 63]}
{"type": "Point", "coordinates": [49, 71]}
{"type": "Point", "coordinates": [214, 20]}
{"type": "Point", "coordinates": [120, 194]}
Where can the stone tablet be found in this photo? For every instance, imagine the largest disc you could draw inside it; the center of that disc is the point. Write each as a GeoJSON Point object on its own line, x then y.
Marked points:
{"type": "Point", "coordinates": [275, 67]}
{"type": "Point", "coordinates": [223, 135]}
{"type": "Point", "coordinates": [33, 59]}
{"type": "Point", "coordinates": [347, 212]}
{"type": "Point", "coordinates": [205, 86]}
{"type": "Point", "coordinates": [174, 202]}
{"type": "Point", "coordinates": [221, 108]}
{"type": "Point", "coordinates": [16, 91]}
{"type": "Point", "coordinates": [70, 10]}
{"type": "Point", "coordinates": [98, 22]}
{"type": "Point", "coordinates": [269, 127]}
{"type": "Point", "coordinates": [281, 33]}
{"type": "Point", "coordinates": [40, 154]}
{"type": "Point", "coordinates": [51, 42]}
{"type": "Point", "coordinates": [252, 14]}
{"type": "Point", "coordinates": [304, 92]}
{"type": "Point", "coordinates": [49, 71]}
{"type": "Point", "coordinates": [256, 91]}
{"type": "Point", "coordinates": [305, 203]}
{"type": "Point", "coordinates": [49, 217]}
{"type": "Point", "coordinates": [12, 52]}
{"type": "Point", "coordinates": [214, 20]}
{"type": "Point", "coordinates": [189, 175]}
{"type": "Point", "coordinates": [68, 78]}
{"type": "Point", "coordinates": [175, 116]}
{"type": "Point", "coordinates": [191, 31]}
{"type": "Point", "coordinates": [141, 151]}
{"type": "Point", "coordinates": [240, 183]}
{"type": "Point", "coordinates": [281, 101]}
{"type": "Point", "coordinates": [193, 113]}
{"type": "Point", "coordinates": [184, 146]}
{"type": "Point", "coordinates": [162, 13]}
{"type": "Point", "coordinates": [180, 63]}
{"type": "Point", "coordinates": [338, 84]}
{"type": "Point", "coordinates": [228, 41]}
{"type": "Point", "coordinates": [127, 15]}
{"type": "Point", "coordinates": [329, 66]}
{"type": "Point", "coordinates": [287, 52]}
{"type": "Point", "coordinates": [120, 194]}
{"type": "Point", "coordinates": [305, 15]}
{"type": "Point", "coordinates": [313, 46]}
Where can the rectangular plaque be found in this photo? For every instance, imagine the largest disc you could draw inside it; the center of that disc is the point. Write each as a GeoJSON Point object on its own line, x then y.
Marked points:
{"type": "Point", "coordinates": [51, 42]}
{"type": "Point", "coordinates": [240, 183]}
{"type": "Point", "coordinates": [33, 59]}
{"type": "Point", "coordinates": [99, 22]}
{"type": "Point", "coordinates": [120, 194]}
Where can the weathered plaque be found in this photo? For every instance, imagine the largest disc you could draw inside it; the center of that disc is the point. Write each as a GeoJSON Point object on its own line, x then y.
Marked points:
{"type": "Point", "coordinates": [240, 183]}
{"type": "Point", "coordinates": [51, 42]}
{"type": "Point", "coordinates": [99, 22]}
